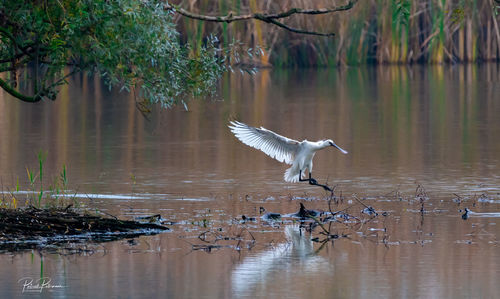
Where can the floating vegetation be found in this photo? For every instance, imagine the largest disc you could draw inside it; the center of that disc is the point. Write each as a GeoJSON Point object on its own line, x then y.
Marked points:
{"type": "Point", "coordinates": [321, 225]}
{"type": "Point", "coordinates": [324, 221]}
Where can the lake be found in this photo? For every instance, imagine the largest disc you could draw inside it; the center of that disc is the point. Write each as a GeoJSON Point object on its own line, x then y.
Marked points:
{"type": "Point", "coordinates": [423, 142]}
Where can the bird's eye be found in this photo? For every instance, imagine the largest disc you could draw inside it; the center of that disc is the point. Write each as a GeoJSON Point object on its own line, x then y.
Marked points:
{"type": "Point", "coordinates": [331, 143]}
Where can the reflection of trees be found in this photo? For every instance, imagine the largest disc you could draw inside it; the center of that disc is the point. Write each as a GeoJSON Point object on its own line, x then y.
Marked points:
{"type": "Point", "coordinates": [399, 122]}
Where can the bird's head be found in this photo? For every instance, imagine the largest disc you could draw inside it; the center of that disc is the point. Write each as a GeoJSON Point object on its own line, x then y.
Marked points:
{"type": "Point", "coordinates": [331, 143]}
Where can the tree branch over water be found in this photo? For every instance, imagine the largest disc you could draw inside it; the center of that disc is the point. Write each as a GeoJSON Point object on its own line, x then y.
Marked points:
{"type": "Point", "coordinates": [271, 18]}
{"type": "Point", "coordinates": [133, 45]}
{"type": "Point", "coordinates": [130, 44]}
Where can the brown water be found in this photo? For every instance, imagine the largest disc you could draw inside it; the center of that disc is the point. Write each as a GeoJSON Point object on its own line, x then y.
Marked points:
{"type": "Point", "coordinates": [438, 127]}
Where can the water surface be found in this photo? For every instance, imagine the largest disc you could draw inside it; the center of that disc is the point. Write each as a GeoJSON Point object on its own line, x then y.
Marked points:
{"type": "Point", "coordinates": [437, 127]}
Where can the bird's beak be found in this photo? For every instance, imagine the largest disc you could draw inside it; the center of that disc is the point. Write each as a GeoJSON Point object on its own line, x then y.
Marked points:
{"type": "Point", "coordinates": [339, 148]}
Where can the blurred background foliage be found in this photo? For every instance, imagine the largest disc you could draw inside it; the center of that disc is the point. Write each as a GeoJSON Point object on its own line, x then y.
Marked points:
{"type": "Point", "coordinates": [374, 31]}
{"type": "Point", "coordinates": [145, 47]}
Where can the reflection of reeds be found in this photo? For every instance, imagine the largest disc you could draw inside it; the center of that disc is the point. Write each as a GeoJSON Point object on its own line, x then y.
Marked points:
{"type": "Point", "coordinates": [375, 31]}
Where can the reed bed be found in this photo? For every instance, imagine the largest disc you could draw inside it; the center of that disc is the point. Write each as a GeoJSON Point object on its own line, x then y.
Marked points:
{"type": "Point", "coordinates": [374, 31]}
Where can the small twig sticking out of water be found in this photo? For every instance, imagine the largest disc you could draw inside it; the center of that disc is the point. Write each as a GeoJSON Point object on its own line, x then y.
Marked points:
{"type": "Point", "coordinates": [327, 230]}
{"type": "Point", "coordinates": [368, 209]}
{"type": "Point", "coordinates": [397, 194]}
{"type": "Point", "coordinates": [474, 199]}
{"type": "Point", "coordinates": [203, 236]}
{"type": "Point", "coordinates": [358, 200]}
{"type": "Point", "coordinates": [333, 196]}
{"type": "Point", "coordinates": [421, 195]}
{"type": "Point", "coordinates": [316, 220]}
{"type": "Point", "coordinates": [458, 199]}
{"type": "Point", "coordinates": [332, 190]}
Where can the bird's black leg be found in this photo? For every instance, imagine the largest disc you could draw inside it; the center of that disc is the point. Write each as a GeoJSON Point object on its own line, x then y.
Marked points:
{"type": "Point", "coordinates": [302, 180]}
{"type": "Point", "coordinates": [313, 181]}
{"type": "Point", "coordinates": [310, 179]}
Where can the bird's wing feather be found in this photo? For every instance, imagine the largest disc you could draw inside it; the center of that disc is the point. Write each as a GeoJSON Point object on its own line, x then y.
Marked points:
{"type": "Point", "coordinates": [274, 145]}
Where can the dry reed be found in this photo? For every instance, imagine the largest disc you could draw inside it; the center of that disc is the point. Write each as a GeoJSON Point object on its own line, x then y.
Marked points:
{"type": "Point", "coordinates": [375, 31]}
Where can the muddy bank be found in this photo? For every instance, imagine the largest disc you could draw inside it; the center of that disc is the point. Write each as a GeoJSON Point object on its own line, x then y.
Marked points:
{"type": "Point", "coordinates": [31, 228]}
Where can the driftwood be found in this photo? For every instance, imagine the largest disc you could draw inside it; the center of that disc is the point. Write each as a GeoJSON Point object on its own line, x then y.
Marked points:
{"type": "Point", "coordinates": [34, 228]}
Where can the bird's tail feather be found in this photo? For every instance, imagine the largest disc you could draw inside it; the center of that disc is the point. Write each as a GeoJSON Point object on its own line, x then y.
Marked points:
{"type": "Point", "coordinates": [292, 175]}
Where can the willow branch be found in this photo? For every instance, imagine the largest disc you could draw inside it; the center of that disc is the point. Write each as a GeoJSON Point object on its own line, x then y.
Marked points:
{"type": "Point", "coordinates": [266, 17]}
{"type": "Point", "coordinates": [6, 86]}
{"type": "Point", "coordinates": [60, 81]}
{"type": "Point", "coordinates": [44, 92]}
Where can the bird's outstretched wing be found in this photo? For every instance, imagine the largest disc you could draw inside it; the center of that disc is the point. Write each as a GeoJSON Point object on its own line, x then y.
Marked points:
{"type": "Point", "coordinates": [276, 146]}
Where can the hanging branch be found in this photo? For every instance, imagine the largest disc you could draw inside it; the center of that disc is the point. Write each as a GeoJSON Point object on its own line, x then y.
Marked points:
{"type": "Point", "coordinates": [266, 17]}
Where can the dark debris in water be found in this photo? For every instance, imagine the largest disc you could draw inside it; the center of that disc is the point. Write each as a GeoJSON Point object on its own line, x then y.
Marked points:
{"type": "Point", "coordinates": [31, 228]}
{"type": "Point", "coordinates": [465, 215]}
{"type": "Point", "coordinates": [369, 211]}
{"type": "Point", "coordinates": [245, 219]}
{"type": "Point", "coordinates": [271, 216]}
{"type": "Point", "coordinates": [303, 212]}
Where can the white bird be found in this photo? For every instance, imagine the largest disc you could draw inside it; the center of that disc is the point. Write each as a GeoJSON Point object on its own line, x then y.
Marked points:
{"type": "Point", "coordinates": [298, 154]}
